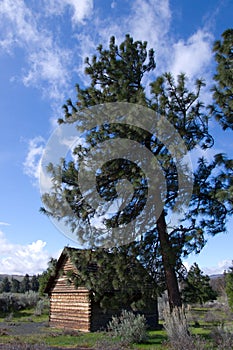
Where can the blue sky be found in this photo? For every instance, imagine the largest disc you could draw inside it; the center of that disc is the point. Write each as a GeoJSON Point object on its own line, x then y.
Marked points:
{"type": "Point", "coordinates": [43, 44]}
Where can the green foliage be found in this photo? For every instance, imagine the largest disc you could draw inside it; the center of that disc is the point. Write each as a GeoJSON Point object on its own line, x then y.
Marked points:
{"type": "Point", "coordinates": [116, 75]}
{"type": "Point", "coordinates": [10, 302]}
{"type": "Point", "coordinates": [34, 284]}
{"type": "Point", "coordinates": [40, 306]}
{"type": "Point", "coordinates": [5, 285]}
{"type": "Point", "coordinates": [223, 90]}
{"type": "Point", "coordinates": [182, 108]}
{"type": "Point", "coordinates": [229, 287]}
{"type": "Point", "coordinates": [129, 327]}
{"type": "Point", "coordinates": [15, 285]}
{"type": "Point", "coordinates": [44, 277]}
{"type": "Point", "coordinates": [222, 338]}
{"type": "Point", "coordinates": [25, 284]}
{"type": "Point", "coordinates": [197, 287]}
{"type": "Point", "coordinates": [117, 279]}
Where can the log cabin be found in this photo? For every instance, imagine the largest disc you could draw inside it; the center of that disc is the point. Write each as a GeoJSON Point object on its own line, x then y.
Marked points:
{"type": "Point", "coordinates": [79, 304]}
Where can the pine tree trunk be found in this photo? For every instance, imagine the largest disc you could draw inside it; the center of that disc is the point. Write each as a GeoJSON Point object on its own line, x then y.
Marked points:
{"type": "Point", "coordinates": [168, 263]}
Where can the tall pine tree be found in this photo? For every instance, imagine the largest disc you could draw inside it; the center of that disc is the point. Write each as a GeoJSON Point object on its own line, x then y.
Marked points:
{"type": "Point", "coordinates": [116, 75]}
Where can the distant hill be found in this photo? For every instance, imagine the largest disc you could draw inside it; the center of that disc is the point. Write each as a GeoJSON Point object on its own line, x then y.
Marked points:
{"type": "Point", "coordinates": [17, 277]}
{"type": "Point", "coordinates": [219, 275]}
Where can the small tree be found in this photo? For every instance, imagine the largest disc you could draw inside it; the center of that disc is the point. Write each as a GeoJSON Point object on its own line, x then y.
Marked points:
{"type": "Point", "coordinates": [15, 285]}
{"type": "Point", "coordinates": [25, 284]}
{"type": "Point", "coordinates": [197, 287]}
{"type": "Point", "coordinates": [34, 284]}
{"type": "Point", "coordinates": [5, 285]}
{"type": "Point", "coordinates": [229, 287]}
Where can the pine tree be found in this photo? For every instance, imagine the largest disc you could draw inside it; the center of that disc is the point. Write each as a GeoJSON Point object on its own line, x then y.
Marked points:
{"type": "Point", "coordinates": [229, 287]}
{"type": "Point", "coordinates": [44, 277]}
{"type": "Point", "coordinates": [197, 287]}
{"type": "Point", "coordinates": [116, 75]}
{"type": "Point", "coordinates": [34, 284]}
{"type": "Point", "coordinates": [223, 90]}
{"type": "Point", "coordinates": [25, 284]}
{"type": "Point", "coordinates": [117, 278]}
{"type": "Point", "coordinates": [15, 285]}
{"type": "Point", "coordinates": [5, 286]}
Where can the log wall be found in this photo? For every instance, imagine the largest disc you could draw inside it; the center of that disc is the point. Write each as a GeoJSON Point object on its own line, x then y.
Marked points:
{"type": "Point", "coordinates": [69, 306]}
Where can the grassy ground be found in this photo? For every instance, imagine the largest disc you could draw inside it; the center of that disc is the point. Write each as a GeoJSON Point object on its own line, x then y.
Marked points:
{"type": "Point", "coordinates": [24, 326]}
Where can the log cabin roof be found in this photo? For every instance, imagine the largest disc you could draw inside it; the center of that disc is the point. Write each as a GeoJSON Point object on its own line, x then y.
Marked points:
{"type": "Point", "coordinates": [75, 256]}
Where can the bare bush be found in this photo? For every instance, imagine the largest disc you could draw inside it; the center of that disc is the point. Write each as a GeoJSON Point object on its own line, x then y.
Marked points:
{"type": "Point", "coordinates": [222, 338]}
{"type": "Point", "coordinates": [176, 325]}
{"type": "Point", "coordinates": [129, 327]}
{"type": "Point", "coordinates": [213, 318]}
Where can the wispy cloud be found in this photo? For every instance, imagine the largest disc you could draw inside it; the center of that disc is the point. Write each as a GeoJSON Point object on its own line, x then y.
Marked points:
{"type": "Point", "coordinates": [50, 63]}
{"type": "Point", "coordinates": [2, 223]}
{"type": "Point", "coordinates": [213, 270]}
{"type": "Point", "coordinates": [81, 10]}
{"type": "Point", "coordinates": [32, 162]}
{"type": "Point", "coordinates": [31, 258]}
{"type": "Point", "coordinates": [47, 65]}
{"type": "Point", "coordinates": [219, 269]}
{"type": "Point", "coordinates": [150, 20]}
{"type": "Point", "coordinates": [192, 56]}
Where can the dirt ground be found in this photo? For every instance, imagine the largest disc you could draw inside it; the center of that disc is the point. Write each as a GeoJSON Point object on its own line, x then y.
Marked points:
{"type": "Point", "coordinates": [27, 328]}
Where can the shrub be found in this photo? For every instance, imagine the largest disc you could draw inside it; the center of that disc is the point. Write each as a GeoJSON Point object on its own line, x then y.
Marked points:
{"type": "Point", "coordinates": [5, 302]}
{"type": "Point", "coordinates": [129, 327]}
{"type": "Point", "coordinates": [222, 338]}
{"type": "Point", "coordinates": [28, 299]}
{"type": "Point", "coordinates": [10, 302]}
{"type": "Point", "coordinates": [39, 308]}
{"type": "Point", "coordinates": [176, 325]}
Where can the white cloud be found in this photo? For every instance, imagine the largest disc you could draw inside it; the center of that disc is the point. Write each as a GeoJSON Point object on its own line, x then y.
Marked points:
{"type": "Point", "coordinates": [82, 9]}
{"type": "Point", "coordinates": [113, 4]}
{"type": "Point", "coordinates": [150, 21]}
{"type": "Point", "coordinates": [32, 162]}
{"type": "Point", "coordinates": [31, 258]}
{"type": "Point", "coordinates": [219, 269]}
{"type": "Point", "coordinates": [153, 30]}
{"type": "Point", "coordinates": [48, 71]}
{"type": "Point", "coordinates": [193, 56]}
{"type": "Point", "coordinates": [48, 64]}
{"type": "Point", "coordinates": [2, 223]}
{"type": "Point", "coordinates": [212, 270]}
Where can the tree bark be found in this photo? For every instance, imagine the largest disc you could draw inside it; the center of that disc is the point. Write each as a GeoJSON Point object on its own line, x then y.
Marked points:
{"type": "Point", "coordinates": [168, 263]}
